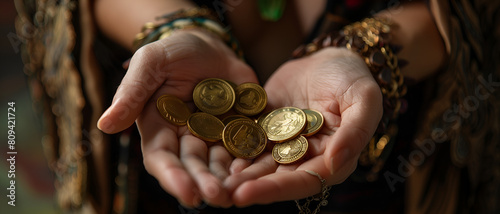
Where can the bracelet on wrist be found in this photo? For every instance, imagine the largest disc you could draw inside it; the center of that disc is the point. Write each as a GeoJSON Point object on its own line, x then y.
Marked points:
{"type": "Point", "coordinates": [370, 39]}
{"type": "Point", "coordinates": [185, 19]}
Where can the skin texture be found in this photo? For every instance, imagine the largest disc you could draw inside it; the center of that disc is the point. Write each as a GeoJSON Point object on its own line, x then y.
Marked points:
{"type": "Point", "coordinates": [122, 28]}
{"type": "Point", "coordinates": [191, 169]}
{"type": "Point", "coordinates": [422, 44]}
{"type": "Point", "coordinates": [174, 66]}
{"type": "Point", "coordinates": [351, 104]}
{"type": "Point", "coordinates": [333, 81]}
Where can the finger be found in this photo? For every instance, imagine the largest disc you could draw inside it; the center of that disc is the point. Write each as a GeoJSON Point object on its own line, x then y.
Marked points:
{"type": "Point", "coordinates": [173, 178]}
{"type": "Point", "coordinates": [280, 186]}
{"type": "Point", "coordinates": [193, 153]}
{"type": "Point", "coordinates": [220, 161]}
{"type": "Point", "coordinates": [360, 114]}
{"type": "Point", "coordinates": [162, 162]}
{"type": "Point", "coordinates": [126, 64]}
{"type": "Point", "coordinates": [263, 165]}
{"type": "Point", "coordinates": [238, 165]}
{"type": "Point", "coordinates": [143, 78]}
{"type": "Point", "coordinates": [160, 148]}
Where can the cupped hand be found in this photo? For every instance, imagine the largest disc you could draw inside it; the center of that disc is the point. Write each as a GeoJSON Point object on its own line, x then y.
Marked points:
{"type": "Point", "coordinates": [337, 83]}
{"type": "Point", "coordinates": [184, 165]}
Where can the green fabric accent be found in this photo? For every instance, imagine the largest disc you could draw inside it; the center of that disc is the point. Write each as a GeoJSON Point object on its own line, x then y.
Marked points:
{"type": "Point", "coordinates": [271, 10]}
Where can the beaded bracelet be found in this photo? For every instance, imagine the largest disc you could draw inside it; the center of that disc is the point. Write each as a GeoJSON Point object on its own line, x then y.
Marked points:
{"type": "Point", "coordinates": [185, 19]}
{"type": "Point", "coordinates": [369, 39]}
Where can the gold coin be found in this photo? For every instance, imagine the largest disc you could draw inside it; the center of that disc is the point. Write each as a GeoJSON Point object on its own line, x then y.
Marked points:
{"type": "Point", "coordinates": [314, 122]}
{"type": "Point", "coordinates": [173, 109]}
{"type": "Point", "coordinates": [230, 118]}
{"type": "Point", "coordinates": [232, 84]}
{"type": "Point", "coordinates": [290, 151]}
{"type": "Point", "coordinates": [284, 123]}
{"type": "Point", "coordinates": [261, 118]}
{"type": "Point", "coordinates": [214, 96]}
{"type": "Point", "coordinates": [205, 126]}
{"type": "Point", "coordinates": [251, 99]}
{"type": "Point", "coordinates": [243, 138]}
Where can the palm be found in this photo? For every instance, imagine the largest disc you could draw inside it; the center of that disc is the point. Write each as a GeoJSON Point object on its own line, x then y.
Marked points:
{"type": "Point", "coordinates": [178, 160]}
{"type": "Point", "coordinates": [337, 84]}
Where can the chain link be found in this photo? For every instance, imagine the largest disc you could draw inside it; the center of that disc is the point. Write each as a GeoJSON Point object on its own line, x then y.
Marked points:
{"type": "Point", "coordinates": [321, 198]}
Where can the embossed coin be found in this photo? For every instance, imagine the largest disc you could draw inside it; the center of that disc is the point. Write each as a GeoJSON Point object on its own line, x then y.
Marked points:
{"type": "Point", "coordinates": [173, 109]}
{"type": "Point", "coordinates": [290, 151]}
{"type": "Point", "coordinates": [230, 118]}
{"type": "Point", "coordinates": [314, 122]}
{"type": "Point", "coordinates": [251, 99]}
{"type": "Point", "coordinates": [243, 138]}
{"type": "Point", "coordinates": [284, 123]}
{"type": "Point", "coordinates": [261, 118]}
{"type": "Point", "coordinates": [205, 126]}
{"type": "Point", "coordinates": [214, 96]}
{"type": "Point", "coordinates": [232, 84]}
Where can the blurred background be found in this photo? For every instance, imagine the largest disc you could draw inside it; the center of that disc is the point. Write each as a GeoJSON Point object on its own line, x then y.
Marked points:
{"type": "Point", "coordinates": [34, 184]}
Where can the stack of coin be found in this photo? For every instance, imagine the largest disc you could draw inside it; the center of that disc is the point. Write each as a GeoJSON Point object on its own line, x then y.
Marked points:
{"type": "Point", "coordinates": [287, 127]}
{"type": "Point", "coordinates": [242, 136]}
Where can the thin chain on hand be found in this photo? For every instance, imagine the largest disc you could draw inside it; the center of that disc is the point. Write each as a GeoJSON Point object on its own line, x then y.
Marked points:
{"type": "Point", "coordinates": [321, 197]}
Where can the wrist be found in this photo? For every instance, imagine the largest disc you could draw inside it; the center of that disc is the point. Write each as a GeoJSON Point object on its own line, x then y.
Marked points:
{"type": "Point", "coordinates": [423, 46]}
{"type": "Point", "coordinates": [200, 22]}
{"type": "Point", "coordinates": [369, 39]}
{"type": "Point", "coordinates": [121, 20]}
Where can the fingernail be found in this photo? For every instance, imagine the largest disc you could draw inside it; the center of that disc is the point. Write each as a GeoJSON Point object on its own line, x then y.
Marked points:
{"type": "Point", "coordinates": [339, 159]}
{"type": "Point", "coordinates": [126, 64]}
{"type": "Point", "coordinates": [105, 124]}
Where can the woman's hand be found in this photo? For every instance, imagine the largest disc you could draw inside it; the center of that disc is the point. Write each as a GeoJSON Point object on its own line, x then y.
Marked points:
{"type": "Point", "coordinates": [183, 164]}
{"type": "Point", "coordinates": [337, 83]}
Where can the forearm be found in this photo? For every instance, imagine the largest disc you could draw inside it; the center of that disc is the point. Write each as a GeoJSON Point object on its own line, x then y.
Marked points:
{"type": "Point", "coordinates": [121, 20]}
{"type": "Point", "coordinates": [422, 45]}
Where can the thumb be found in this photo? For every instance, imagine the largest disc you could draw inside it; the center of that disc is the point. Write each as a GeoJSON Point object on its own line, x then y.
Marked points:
{"type": "Point", "coordinates": [145, 75]}
{"type": "Point", "coordinates": [359, 120]}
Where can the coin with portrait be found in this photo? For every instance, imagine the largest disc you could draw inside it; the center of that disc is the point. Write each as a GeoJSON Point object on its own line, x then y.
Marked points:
{"type": "Point", "coordinates": [284, 123]}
